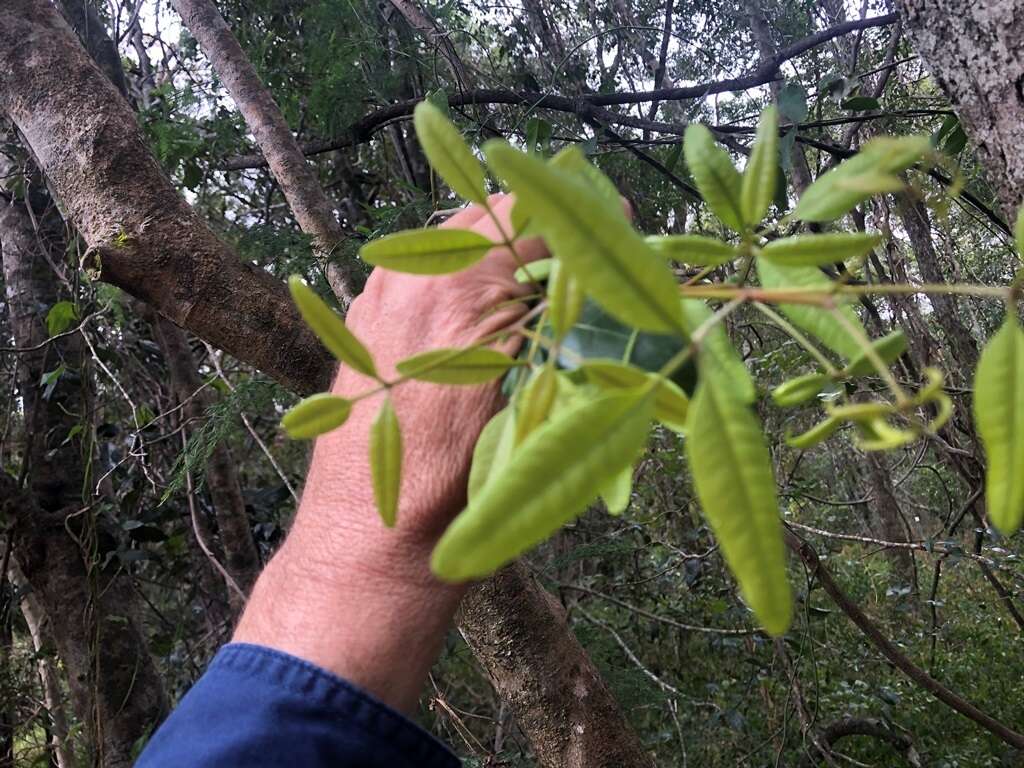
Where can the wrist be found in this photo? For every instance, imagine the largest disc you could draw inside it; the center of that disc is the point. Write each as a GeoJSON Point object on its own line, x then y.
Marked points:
{"type": "Point", "coordinates": [370, 611]}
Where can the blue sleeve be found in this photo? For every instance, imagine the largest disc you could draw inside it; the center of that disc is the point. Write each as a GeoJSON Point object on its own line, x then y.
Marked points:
{"type": "Point", "coordinates": [258, 707]}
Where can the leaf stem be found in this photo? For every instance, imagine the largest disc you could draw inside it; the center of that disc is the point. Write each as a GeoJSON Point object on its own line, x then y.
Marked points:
{"type": "Point", "coordinates": [902, 399]}
{"type": "Point", "coordinates": [797, 336]}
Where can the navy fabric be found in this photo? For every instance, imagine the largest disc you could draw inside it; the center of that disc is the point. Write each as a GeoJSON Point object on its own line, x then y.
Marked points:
{"type": "Point", "coordinates": [257, 707]}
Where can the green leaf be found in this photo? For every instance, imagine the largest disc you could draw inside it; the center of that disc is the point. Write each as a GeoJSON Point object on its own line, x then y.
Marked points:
{"type": "Point", "coordinates": [386, 462]}
{"type": "Point", "coordinates": [999, 414]}
{"type": "Point", "coordinates": [598, 335]}
{"type": "Point", "coordinates": [434, 251]}
{"type": "Point", "coordinates": [330, 328]}
{"type": "Point", "coordinates": [534, 403]}
{"type": "Point", "coordinates": [889, 348]}
{"type": "Point", "coordinates": [869, 172]}
{"type": "Point", "coordinates": [1018, 231]}
{"type": "Point", "coordinates": [565, 300]}
{"type": "Point", "coordinates": [315, 415]}
{"type": "Point", "coordinates": [718, 357]}
{"type": "Point", "coordinates": [814, 320]}
{"type": "Point", "coordinates": [493, 448]}
{"type": "Point", "coordinates": [448, 153]}
{"type": "Point", "coordinates": [879, 435]}
{"type": "Point", "coordinates": [758, 187]}
{"type": "Point", "coordinates": [475, 365]}
{"type": "Point", "coordinates": [670, 402]}
{"type": "Point", "coordinates": [536, 271]}
{"type": "Point", "coordinates": [60, 317]}
{"type": "Point", "coordinates": [817, 250]}
{"type": "Point", "coordinates": [439, 98]}
{"type": "Point", "coordinates": [538, 136]}
{"type": "Point", "coordinates": [572, 160]}
{"type": "Point", "coordinates": [860, 103]}
{"type": "Point", "coordinates": [716, 177]}
{"type": "Point", "coordinates": [732, 473]}
{"type": "Point", "coordinates": [793, 102]}
{"type": "Point", "coordinates": [956, 141]}
{"type": "Point", "coordinates": [549, 480]}
{"type": "Point", "coordinates": [799, 390]}
{"type": "Point", "coordinates": [696, 250]}
{"type": "Point", "coordinates": [49, 380]}
{"type": "Point", "coordinates": [616, 492]}
{"type": "Point", "coordinates": [816, 434]}
{"type": "Point", "coordinates": [592, 238]}
{"type": "Point", "coordinates": [674, 156]}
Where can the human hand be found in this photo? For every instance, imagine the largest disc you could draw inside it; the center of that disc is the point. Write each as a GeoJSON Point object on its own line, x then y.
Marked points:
{"type": "Point", "coordinates": [344, 591]}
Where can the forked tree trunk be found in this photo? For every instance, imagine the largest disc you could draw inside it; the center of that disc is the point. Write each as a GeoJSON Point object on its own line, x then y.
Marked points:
{"type": "Point", "coordinates": [142, 235]}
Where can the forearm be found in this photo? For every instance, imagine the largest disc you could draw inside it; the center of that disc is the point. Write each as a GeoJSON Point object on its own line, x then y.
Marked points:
{"type": "Point", "coordinates": [349, 594]}
{"type": "Point", "coordinates": [378, 622]}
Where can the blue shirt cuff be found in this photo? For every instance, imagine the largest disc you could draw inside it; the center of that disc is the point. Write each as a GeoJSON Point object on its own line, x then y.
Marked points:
{"type": "Point", "coordinates": [258, 707]}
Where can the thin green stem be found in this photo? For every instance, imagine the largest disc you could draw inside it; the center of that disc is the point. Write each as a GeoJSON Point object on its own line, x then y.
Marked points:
{"type": "Point", "coordinates": [798, 337]}
{"type": "Point", "coordinates": [902, 399]}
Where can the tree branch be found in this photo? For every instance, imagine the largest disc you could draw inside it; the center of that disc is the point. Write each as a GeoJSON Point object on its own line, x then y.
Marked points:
{"type": "Point", "coordinates": [361, 131]}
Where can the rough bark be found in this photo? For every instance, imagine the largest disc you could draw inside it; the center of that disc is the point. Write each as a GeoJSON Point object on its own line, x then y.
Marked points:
{"type": "Point", "coordinates": [552, 688]}
{"type": "Point", "coordinates": [973, 48]}
{"type": "Point", "coordinates": [142, 235]}
{"type": "Point", "coordinates": [916, 222]}
{"type": "Point", "coordinates": [59, 544]}
{"type": "Point", "coordinates": [49, 679]}
{"type": "Point", "coordinates": [885, 509]}
{"type": "Point", "coordinates": [297, 179]}
{"type": "Point", "coordinates": [241, 559]}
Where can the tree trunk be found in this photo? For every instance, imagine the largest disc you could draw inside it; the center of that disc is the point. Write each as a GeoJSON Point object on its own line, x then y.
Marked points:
{"type": "Point", "coordinates": [885, 508]}
{"type": "Point", "coordinates": [297, 179]}
{"type": "Point", "coordinates": [59, 544]}
{"type": "Point", "coordinates": [142, 235]}
{"type": "Point", "coordinates": [49, 679]}
{"type": "Point", "coordinates": [973, 48]}
{"type": "Point", "coordinates": [536, 664]}
{"type": "Point", "coordinates": [962, 347]}
{"type": "Point", "coordinates": [241, 559]}
{"type": "Point", "coordinates": [427, 28]}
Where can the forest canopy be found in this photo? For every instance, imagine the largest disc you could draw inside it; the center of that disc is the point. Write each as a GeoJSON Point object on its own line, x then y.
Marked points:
{"type": "Point", "coordinates": [760, 463]}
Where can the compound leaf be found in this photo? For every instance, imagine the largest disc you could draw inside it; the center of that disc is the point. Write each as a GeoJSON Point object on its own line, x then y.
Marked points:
{"type": "Point", "coordinates": [591, 237]}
